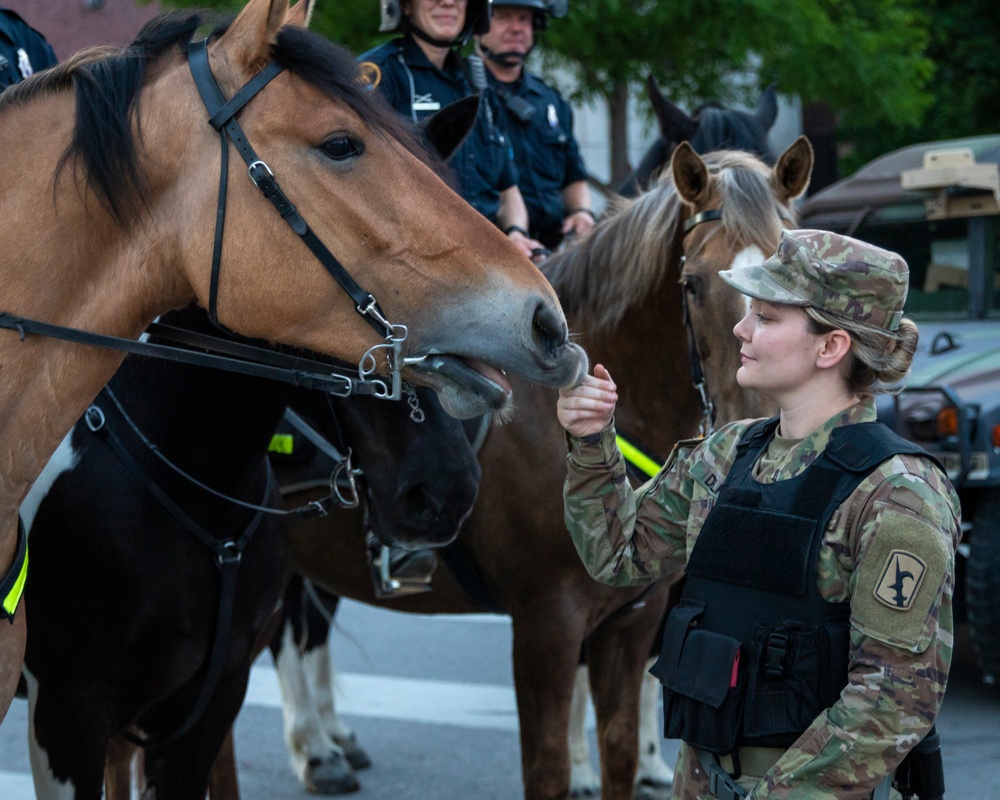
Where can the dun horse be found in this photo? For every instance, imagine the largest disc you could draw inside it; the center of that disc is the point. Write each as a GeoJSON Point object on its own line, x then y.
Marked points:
{"type": "Point", "coordinates": [623, 289]}
{"type": "Point", "coordinates": [710, 127]}
{"type": "Point", "coordinates": [112, 216]}
{"type": "Point", "coordinates": [159, 512]}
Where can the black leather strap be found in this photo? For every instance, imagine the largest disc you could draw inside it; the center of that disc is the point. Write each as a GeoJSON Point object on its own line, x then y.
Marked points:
{"type": "Point", "coordinates": [221, 117]}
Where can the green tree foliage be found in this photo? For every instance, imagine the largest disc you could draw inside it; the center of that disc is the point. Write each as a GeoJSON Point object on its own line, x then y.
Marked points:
{"type": "Point", "coordinates": [964, 37]}
{"type": "Point", "coordinates": [351, 23]}
{"type": "Point", "coordinates": [870, 61]}
{"type": "Point", "coordinates": [860, 56]}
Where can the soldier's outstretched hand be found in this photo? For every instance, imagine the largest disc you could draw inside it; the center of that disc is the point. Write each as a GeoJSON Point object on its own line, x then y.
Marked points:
{"type": "Point", "coordinates": [588, 407]}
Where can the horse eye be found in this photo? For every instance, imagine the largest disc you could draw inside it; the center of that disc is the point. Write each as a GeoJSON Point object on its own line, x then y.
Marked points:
{"type": "Point", "coordinates": [342, 147]}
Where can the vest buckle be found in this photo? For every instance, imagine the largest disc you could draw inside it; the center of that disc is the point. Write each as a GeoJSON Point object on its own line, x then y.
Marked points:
{"type": "Point", "coordinates": [777, 650]}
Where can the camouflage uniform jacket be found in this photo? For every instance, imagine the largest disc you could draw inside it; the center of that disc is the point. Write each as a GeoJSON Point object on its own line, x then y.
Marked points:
{"type": "Point", "coordinates": [899, 657]}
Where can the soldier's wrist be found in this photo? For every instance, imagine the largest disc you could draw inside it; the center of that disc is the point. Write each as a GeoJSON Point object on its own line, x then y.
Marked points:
{"type": "Point", "coordinates": [570, 212]}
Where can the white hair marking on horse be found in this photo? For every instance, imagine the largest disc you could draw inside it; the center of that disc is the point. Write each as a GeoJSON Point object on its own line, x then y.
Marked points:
{"type": "Point", "coordinates": [64, 459]}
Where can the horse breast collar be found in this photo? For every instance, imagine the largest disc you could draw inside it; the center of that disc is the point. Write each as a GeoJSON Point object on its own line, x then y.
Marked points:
{"type": "Point", "coordinates": [223, 119]}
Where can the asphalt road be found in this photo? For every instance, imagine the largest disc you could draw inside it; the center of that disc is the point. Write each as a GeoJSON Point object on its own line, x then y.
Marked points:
{"type": "Point", "coordinates": [431, 699]}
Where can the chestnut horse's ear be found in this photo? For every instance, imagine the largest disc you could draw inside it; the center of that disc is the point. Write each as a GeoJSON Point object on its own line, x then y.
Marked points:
{"type": "Point", "coordinates": [675, 125]}
{"type": "Point", "coordinates": [690, 174]}
{"type": "Point", "coordinates": [300, 14]}
{"type": "Point", "coordinates": [446, 129]}
{"type": "Point", "coordinates": [793, 170]}
{"type": "Point", "coordinates": [247, 44]}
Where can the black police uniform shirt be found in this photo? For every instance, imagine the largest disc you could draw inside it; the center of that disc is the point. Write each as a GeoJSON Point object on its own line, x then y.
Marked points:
{"type": "Point", "coordinates": [23, 50]}
{"type": "Point", "coordinates": [545, 152]}
{"type": "Point", "coordinates": [484, 163]}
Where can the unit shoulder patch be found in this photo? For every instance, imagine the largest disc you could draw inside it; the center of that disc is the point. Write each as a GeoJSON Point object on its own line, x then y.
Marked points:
{"type": "Point", "coordinates": [902, 574]}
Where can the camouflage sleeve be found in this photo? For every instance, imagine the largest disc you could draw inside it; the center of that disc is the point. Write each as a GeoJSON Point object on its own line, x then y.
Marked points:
{"type": "Point", "coordinates": [901, 645]}
{"type": "Point", "coordinates": [624, 537]}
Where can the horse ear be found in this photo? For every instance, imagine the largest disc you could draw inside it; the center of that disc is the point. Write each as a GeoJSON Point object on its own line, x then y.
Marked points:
{"type": "Point", "coordinates": [300, 14]}
{"type": "Point", "coordinates": [793, 170]}
{"type": "Point", "coordinates": [247, 44]}
{"type": "Point", "coordinates": [767, 107]}
{"type": "Point", "coordinates": [675, 125]}
{"type": "Point", "coordinates": [690, 174]}
{"type": "Point", "coordinates": [446, 129]}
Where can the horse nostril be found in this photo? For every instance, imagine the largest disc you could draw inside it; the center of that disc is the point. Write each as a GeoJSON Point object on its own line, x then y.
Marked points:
{"type": "Point", "coordinates": [422, 509]}
{"type": "Point", "coordinates": [548, 328]}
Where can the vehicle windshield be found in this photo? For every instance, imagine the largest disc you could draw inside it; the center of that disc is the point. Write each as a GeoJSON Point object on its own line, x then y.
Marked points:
{"type": "Point", "coordinates": [943, 256]}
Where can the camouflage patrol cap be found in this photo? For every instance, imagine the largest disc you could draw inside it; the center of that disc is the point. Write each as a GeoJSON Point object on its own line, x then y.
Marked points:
{"type": "Point", "coordinates": [831, 272]}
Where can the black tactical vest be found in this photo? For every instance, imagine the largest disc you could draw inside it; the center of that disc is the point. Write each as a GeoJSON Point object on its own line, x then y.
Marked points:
{"type": "Point", "coordinates": [752, 653]}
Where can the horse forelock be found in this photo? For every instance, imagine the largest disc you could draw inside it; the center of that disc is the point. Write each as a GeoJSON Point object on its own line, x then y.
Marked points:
{"type": "Point", "coordinates": [751, 212]}
{"type": "Point", "coordinates": [625, 258]}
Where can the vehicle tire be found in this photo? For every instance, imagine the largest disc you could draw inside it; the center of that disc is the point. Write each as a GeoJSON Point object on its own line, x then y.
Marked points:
{"type": "Point", "coordinates": [982, 586]}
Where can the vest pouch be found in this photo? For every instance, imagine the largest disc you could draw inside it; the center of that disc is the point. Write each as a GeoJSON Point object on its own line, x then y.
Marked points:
{"type": "Point", "coordinates": [703, 683]}
{"type": "Point", "coordinates": [784, 680]}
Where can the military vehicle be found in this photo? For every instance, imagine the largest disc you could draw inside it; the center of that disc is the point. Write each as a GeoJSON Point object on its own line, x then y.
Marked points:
{"type": "Point", "coordinates": [938, 205]}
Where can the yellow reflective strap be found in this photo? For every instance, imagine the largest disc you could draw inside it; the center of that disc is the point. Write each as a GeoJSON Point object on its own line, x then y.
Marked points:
{"type": "Point", "coordinates": [14, 595]}
{"type": "Point", "coordinates": [282, 443]}
{"type": "Point", "coordinates": [637, 458]}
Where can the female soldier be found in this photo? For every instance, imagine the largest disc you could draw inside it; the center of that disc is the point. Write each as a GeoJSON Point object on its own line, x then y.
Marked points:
{"type": "Point", "coordinates": [811, 647]}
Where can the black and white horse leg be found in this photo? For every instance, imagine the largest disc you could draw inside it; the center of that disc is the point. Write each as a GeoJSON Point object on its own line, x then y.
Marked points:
{"type": "Point", "coordinates": [317, 760]}
{"type": "Point", "coordinates": [67, 741]}
{"type": "Point", "coordinates": [320, 673]}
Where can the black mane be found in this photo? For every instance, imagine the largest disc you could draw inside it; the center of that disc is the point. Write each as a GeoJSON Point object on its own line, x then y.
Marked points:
{"type": "Point", "coordinates": [108, 88]}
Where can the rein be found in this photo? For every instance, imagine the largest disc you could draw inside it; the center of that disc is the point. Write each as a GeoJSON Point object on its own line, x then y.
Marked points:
{"type": "Point", "coordinates": [246, 359]}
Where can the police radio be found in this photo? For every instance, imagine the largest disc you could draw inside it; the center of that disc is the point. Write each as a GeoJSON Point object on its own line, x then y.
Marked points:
{"type": "Point", "coordinates": [477, 72]}
{"type": "Point", "coordinates": [522, 110]}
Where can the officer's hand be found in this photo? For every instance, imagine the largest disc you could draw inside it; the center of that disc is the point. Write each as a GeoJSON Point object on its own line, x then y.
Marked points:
{"type": "Point", "coordinates": [525, 243]}
{"type": "Point", "coordinates": [588, 407]}
{"type": "Point", "coordinates": [579, 223]}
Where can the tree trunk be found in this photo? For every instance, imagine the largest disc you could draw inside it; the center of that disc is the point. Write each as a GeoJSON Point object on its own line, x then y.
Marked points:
{"type": "Point", "coordinates": [618, 129]}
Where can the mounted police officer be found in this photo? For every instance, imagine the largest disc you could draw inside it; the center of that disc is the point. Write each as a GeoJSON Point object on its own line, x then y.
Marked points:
{"type": "Point", "coordinates": [539, 122]}
{"type": "Point", "coordinates": [810, 649]}
{"type": "Point", "coordinates": [23, 50]}
{"type": "Point", "coordinates": [422, 71]}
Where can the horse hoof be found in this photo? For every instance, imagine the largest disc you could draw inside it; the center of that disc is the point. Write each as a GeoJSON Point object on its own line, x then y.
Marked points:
{"type": "Point", "coordinates": [332, 775]}
{"type": "Point", "coordinates": [356, 755]}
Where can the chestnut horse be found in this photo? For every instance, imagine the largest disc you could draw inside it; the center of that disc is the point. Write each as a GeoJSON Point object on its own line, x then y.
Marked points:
{"type": "Point", "coordinates": [709, 127]}
{"type": "Point", "coordinates": [113, 209]}
{"type": "Point", "coordinates": [622, 289]}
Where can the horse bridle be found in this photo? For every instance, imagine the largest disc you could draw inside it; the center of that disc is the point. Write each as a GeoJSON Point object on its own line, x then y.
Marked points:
{"type": "Point", "coordinates": [707, 422]}
{"type": "Point", "coordinates": [244, 359]}
{"type": "Point", "coordinates": [222, 117]}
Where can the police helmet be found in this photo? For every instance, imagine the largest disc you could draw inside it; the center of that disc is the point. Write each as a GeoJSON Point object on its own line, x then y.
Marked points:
{"type": "Point", "coordinates": [477, 18]}
{"type": "Point", "coordinates": [543, 9]}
